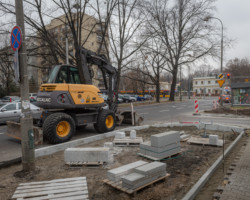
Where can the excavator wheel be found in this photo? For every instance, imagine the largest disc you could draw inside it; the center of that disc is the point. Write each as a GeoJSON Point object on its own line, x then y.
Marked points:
{"type": "Point", "coordinates": [58, 128]}
{"type": "Point", "coordinates": [106, 121]}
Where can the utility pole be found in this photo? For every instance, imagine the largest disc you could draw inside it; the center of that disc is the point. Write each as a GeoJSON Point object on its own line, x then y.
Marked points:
{"type": "Point", "coordinates": [180, 85]}
{"type": "Point", "coordinates": [28, 153]}
{"type": "Point", "coordinates": [188, 82]}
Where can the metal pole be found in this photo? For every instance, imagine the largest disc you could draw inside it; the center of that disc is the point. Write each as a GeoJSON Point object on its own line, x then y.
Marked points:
{"type": "Point", "coordinates": [28, 153]}
{"type": "Point", "coordinates": [221, 60]}
{"type": "Point", "coordinates": [180, 85]}
{"type": "Point", "coordinates": [221, 64]}
{"type": "Point", "coordinates": [188, 82]}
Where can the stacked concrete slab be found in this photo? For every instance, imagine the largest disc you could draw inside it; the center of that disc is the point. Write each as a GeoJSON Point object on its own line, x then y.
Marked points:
{"type": "Point", "coordinates": [121, 140]}
{"type": "Point", "coordinates": [117, 173]}
{"type": "Point", "coordinates": [82, 155]}
{"type": "Point", "coordinates": [144, 174]}
{"type": "Point", "coordinates": [162, 145]}
{"type": "Point", "coordinates": [213, 139]}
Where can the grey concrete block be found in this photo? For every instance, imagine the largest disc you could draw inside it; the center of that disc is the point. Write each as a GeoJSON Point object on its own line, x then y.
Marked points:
{"type": "Point", "coordinates": [86, 155]}
{"type": "Point", "coordinates": [132, 178]}
{"type": "Point", "coordinates": [147, 146]}
{"type": "Point", "coordinates": [151, 168]}
{"type": "Point", "coordinates": [109, 134]}
{"type": "Point", "coordinates": [184, 136]}
{"type": "Point", "coordinates": [213, 127]}
{"type": "Point", "coordinates": [132, 134]}
{"type": "Point", "coordinates": [140, 127]}
{"type": "Point", "coordinates": [224, 128]}
{"type": "Point", "coordinates": [213, 139]}
{"type": "Point", "coordinates": [120, 135]}
{"type": "Point", "coordinates": [163, 139]}
{"type": "Point", "coordinates": [117, 173]}
{"type": "Point", "coordinates": [109, 145]}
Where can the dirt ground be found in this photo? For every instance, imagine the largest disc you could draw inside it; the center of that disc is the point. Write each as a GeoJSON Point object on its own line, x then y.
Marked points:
{"type": "Point", "coordinates": [234, 111]}
{"type": "Point", "coordinates": [184, 169]}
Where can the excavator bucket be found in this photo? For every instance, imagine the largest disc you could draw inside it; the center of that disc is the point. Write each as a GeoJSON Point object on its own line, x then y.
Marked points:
{"type": "Point", "coordinates": [126, 117]}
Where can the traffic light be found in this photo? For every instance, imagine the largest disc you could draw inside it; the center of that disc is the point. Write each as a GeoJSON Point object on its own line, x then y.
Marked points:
{"type": "Point", "coordinates": [228, 76]}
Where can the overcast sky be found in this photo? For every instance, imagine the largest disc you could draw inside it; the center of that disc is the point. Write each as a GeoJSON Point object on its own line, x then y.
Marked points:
{"type": "Point", "coordinates": [235, 15]}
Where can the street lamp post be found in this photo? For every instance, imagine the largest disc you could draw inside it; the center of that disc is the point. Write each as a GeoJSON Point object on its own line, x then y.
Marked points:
{"type": "Point", "coordinates": [188, 82]}
{"type": "Point", "coordinates": [221, 59]}
{"type": "Point", "coordinates": [180, 85]}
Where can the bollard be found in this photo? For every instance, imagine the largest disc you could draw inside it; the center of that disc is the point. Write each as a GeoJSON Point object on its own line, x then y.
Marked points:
{"type": "Point", "coordinates": [196, 106]}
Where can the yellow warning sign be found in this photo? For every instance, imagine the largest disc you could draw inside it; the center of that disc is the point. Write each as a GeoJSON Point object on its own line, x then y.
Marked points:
{"type": "Point", "coordinates": [221, 82]}
{"type": "Point", "coordinates": [221, 76]}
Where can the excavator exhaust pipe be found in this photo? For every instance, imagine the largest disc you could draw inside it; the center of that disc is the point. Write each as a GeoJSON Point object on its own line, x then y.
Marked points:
{"type": "Point", "coordinates": [126, 117]}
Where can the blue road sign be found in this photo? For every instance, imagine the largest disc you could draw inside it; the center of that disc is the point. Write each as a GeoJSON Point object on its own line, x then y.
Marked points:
{"type": "Point", "coordinates": [16, 38]}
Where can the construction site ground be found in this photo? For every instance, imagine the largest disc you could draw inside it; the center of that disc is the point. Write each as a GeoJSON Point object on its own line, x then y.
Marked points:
{"type": "Point", "coordinates": [184, 169]}
{"type": "Point", "coordinates": [242, 111]}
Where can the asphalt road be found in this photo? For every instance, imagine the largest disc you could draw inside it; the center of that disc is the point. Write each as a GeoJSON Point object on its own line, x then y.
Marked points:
{"type": "Point", "coordinates": [152, 113]}
{"type": "Point", "coordinates": [170, 111]}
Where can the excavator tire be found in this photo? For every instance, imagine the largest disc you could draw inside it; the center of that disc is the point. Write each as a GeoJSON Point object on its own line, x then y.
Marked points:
{"type": "Point", "coordinates": [58, 128]}
{"type": "Point", "coordinates": [106, 121]}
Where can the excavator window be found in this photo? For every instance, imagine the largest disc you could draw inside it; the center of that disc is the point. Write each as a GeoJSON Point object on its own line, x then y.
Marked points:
{"type": "Point", "coordinates": [65, 74]}
{"type": "Point", "coordinates": [74, 75]}
{"type": "Point", "coordinates": [62, 75]}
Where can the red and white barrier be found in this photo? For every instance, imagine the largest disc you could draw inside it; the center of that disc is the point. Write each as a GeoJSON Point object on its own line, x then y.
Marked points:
{"type": "Point", "coordinates": [196, 106]}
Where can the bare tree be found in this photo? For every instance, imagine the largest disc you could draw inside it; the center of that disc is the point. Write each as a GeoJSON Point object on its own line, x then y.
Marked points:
{"type": "Point", "coordinates": [126, 24]}
{"type": "Point", "coordinates": [239, 69]}
{"type": "Point", "coordinates": [180, 28]}
{"type": "Point", "coordinates": [6, 71]}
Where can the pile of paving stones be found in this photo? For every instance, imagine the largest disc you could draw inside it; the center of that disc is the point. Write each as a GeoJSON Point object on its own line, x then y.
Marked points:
{"type": "Point", "coordinates": [162, 145]}
{"type": "Point", "coordinates": [137, 174]}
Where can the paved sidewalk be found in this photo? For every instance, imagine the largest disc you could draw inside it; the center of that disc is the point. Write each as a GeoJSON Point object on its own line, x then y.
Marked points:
{"type": "Point", "coordinates": [238, 186]}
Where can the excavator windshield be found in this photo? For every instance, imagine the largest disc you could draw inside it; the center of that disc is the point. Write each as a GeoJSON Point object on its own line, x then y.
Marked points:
{"type": "Point", "coordinates": [64, 74]}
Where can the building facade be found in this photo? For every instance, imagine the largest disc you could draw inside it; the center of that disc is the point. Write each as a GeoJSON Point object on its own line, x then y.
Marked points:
{"type": "Point", "coordinates": [206, 86]}
{"type": "Point", "coordinates": [91, 38]}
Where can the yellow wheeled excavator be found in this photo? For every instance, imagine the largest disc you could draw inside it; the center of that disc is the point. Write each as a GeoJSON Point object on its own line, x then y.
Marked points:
{"type": "Point", "coordinates": [68, 103]}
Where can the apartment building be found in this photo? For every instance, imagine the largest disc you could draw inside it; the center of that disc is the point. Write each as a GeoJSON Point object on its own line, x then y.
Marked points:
{"type": "Point", "coordinates": [91, 37]}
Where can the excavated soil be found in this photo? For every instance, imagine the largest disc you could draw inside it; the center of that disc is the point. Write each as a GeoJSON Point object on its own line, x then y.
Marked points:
{"type": "Point", "coordinates": [225, 110]}
{"type": "Point", "coordinates": [185, 169]}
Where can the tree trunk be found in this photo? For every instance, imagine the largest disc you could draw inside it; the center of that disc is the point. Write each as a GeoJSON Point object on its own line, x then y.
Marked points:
{"type": "Point", "coordinates": [157, 91]}
{"type": "Point", "coordinates": [172, 92]}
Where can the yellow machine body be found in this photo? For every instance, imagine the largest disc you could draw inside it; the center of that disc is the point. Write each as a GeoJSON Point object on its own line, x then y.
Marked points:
{"type": "Point", "coordinates": [60, 95]}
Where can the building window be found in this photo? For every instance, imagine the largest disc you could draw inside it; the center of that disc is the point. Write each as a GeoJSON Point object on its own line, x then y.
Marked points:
{"type": "Point", "coordinates": [209, 90]}
{"type": "Point", "coordinates": [209, 82]}
{"type": "Point", "coordinates": [201, 82]}
{"type": "Point", "coordinates": [196, 83]}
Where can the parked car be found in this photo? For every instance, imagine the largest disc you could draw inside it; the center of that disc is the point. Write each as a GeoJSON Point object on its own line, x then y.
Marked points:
{"type": "Point", "coordinates": [126, 98]}
{"type": "Point", "coordinates": [10, 99]}
{"type": "Point", "coordinates": [12, 111]}
{"type": "Point", "coordinates": [33, 97]}
{"type": "Point", "coordinates": [139, 98]}
{"type": "Point", "coordinates": [132, 97]}
{"type": "Point", "coordinates": [148, 97]}
{"type": "Point", "coordinates": [120, 100]}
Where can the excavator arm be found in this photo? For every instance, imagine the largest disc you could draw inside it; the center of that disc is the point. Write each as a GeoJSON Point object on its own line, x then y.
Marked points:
{"type": "Point", "coordinates": [108, 71]}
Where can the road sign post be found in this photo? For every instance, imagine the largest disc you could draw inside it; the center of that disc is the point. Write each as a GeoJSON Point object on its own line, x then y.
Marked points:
{"type": "Point", "coordinates": [17, 42]}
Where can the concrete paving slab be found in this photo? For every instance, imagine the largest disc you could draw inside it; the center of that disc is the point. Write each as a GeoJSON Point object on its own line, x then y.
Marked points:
{"type": "Point", "coordinates": [75, 155]}
{"type": "Point", "coordinates": [166, 138]}
{"type": "Point", "coordinates": [213, 139]}
{"type": "Point", "coordinates": [117, 173]}
{"type": "Point", "coordinates": [132, 134]}
{"type": "Point", "coordinates": [120, 135]}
